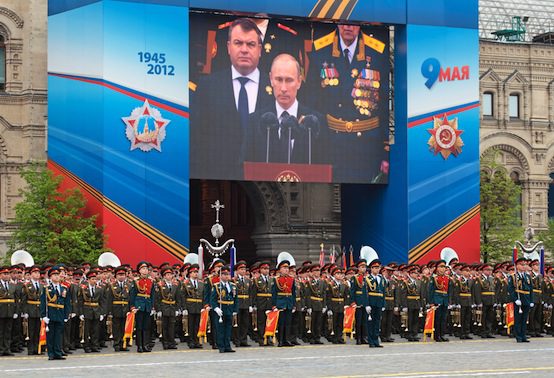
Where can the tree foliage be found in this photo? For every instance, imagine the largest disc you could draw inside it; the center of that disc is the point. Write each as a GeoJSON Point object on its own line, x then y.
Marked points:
{"type": "Point", "coordinates": [500, 209]}
{"type": "Point", "coordinates": [51, 224]}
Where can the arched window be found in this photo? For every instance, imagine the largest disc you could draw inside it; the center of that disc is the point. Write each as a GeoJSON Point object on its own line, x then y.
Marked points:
{"type": "Point", "coordinates": [2, 63]}
{"type": "Point", "coordinates": [513, 105]}
{"type": "Point", "coordinates": [487, 104]}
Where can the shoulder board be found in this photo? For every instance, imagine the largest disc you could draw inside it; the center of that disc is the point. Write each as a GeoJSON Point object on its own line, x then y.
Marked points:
{"type": "Point", "coordinates": [286, 28]}
{"type": "Point", "coordinates": [324, 41]}
{"type": "Point", "coordinates": [192, 86]}
{"type": "Point", "coordinates": [373, 43]}
{"type": "Point", "coordinates": [224, 25]}
{"type": "Point", "coordinates": [83, 286]}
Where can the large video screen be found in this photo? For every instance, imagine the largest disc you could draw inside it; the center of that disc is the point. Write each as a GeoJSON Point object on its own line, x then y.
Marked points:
{"type": "Point", "coordinates": [288, 100]}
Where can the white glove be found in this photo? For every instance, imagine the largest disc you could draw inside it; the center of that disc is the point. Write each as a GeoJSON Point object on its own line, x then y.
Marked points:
{"type": "Point", "coordinates": [101, 317]}
{"type": "Point", "coordinates": [395, 309]}
{"type": "Point", "coordinates": [152, 312]}
{"type": "Point", "coordinates": [324, 310]}
{"type": "Point", "coordinates": [72, 315]}
{"type": "Point", "coordinates": [82, 317]}
{"type": "Point", "coordinates": [382, 309]}
{"type": "Point", "coordinates": [218, 311]}
{"type": "Point", "coordinates": [25, 316]}
{"type": "Point", "coordinates": [369, 317]}
{"type": "Point", "coordinates": [293, 310]}
{"type": "Point", "coordinates": [15, 316]}
{"type": "Point", "coordinates": [473, 305]}
{"type": "Point", "coordinates": [450, 307]}
{"type": "Point", "coordinates": [177, 313]}
{"type": "Point", "coordinates": [329, 313]}
{"type": "Point", "coordinates": [518, 302]}
{"type": "Point", "coordinates": [405, 309]}
{"type": "Point", "coordinates": [254, 308]}
{"type": "Point", "coordinates": [250, 309]}
{"type": "Point", "coordinates": [46, 320]}
{"type": "Point", "coordinates": [185, 312]}
{"type": "Point", "coordinates": [532, 305]}
{"type": "Point", "coordinates": [234, 314]}
{"type": "Point", "coordinates": [159, 314]}
{"type": "Point", "coordinates": [65, 320]}
{"type": "Point", "coordinates": [368, 309]}
{"type": "Point", "coordinates": [309, 311]}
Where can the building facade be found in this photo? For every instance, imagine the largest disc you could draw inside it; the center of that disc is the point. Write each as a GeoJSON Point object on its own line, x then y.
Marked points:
{"type": "Point", "coordinates": [23, 77]}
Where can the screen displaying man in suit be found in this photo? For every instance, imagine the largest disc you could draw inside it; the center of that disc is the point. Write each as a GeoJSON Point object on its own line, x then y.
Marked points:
{"type": "Point", "coordinates": [222, 103]}
{"type": "Point", "coordinates": [286, 131]}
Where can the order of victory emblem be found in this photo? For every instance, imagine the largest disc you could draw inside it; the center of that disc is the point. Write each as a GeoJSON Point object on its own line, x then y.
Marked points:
{"type": "Point", "coordinates": [145, 128]}
{"type": "Point", "coordinates": [445, 137]}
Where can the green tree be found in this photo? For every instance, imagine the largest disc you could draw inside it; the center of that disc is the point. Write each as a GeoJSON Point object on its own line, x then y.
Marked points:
{"type": "Point", "coordinates": [500, 223]}
{"type": "Point", "coordinates": [51, 224]}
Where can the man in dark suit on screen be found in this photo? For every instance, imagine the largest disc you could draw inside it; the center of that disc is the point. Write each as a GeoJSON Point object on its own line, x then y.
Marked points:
{"type": "Point", "coordinates": [221, 105]}
{"type": "Point", "coordinates": [287, 131]}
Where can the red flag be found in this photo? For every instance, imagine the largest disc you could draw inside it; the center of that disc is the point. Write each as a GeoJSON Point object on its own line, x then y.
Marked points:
{"type": "Point", "coordinates": [332, 255]}
{"type": "Point", "coordinates": [271, 325]}
{"type": "Point", "coordinates": [344, 258]}
{"type": "Point", "coordinates": [42, 337]}
{"type": "Point", "coordinates": [129, 327]}
{"type": "Point", "coordinates": [203, 327]}
{"type": "Point", "coordinates": [429, 329]}
{"type": "Point", "coordinates": [351, 250]}
{"type": "Point", "coordinates": [510, 317]}
{"type": "Point", "coordinates": [349, 317]}
{"type": "Point", "coordinates": [321, 255]}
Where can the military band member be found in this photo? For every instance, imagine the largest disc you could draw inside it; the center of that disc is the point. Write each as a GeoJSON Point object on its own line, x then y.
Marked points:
{"type": "Point", "coordinates": [18, 341]}
{"type": "Point", "coordinates": [54, 310]}
{"type": "Point", "coordinates": [209, 282]}
{"type": "Point", "coordinates": [376, 303]}
{"type": "Point", "coordinates": [358, 297]}
{"type": "Point", "coordinates": [224, 302]}
{"type": "Point", "coordinates": [465, 295]}
{"type": "Point", "coordinates": [92, 308]}
{"type": "Point", "coordinates": [283, 293]}
{"type": "Point", "coordinates": [298, 316]}
{"type": "Point", "coordinates": [244, 293]}
{"type": "Point", "coordinates": [9, 310]}
{"type": "Point", "coordinates": [74, 322]}
{"type": "Point", "coordinates": [30, 304]}
{"type": "Point", "coordinates": [315, 302]}
{"type": "Point", "coordinates": [262, 299]}
{"type": "Point", "coordinates": [411, 302]}
{"type": "Point", "coordinates": [484, 297]}
{"type": "Point", "coordinates": [391, 303]}
{"type": "Point", "coordinates": [337, 300]}
{"type": "Point", "coordinates": [141, 299]}
{"type": "Point", "coordinates": [520, 288]}
{"type": "Point", "coordinates": [536, 313]}
{"type": "Point", "coordinates": [193, 291]}
{"type": "Point", "coordinates": [168, 306]}
{"type": "Point", "coordinates": [118, 306]}
{"type": "Point", "coordinates": [439, 296]}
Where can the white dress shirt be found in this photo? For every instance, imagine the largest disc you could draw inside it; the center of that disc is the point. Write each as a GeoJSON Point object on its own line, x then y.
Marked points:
{"type": "Point", "coordinates": [251, 88]}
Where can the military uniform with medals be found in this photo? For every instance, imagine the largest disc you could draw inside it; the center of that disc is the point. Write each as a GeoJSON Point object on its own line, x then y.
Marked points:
{"type": "Point", "coordinates": [117, 308]}
{"type": "Point", "coordinates": [30, 304]}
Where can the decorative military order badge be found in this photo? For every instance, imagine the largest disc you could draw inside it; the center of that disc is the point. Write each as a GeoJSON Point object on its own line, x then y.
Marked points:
{"type": "Point", "coordinates": [145, 128]}
{"type": "Point", "coordinates": [366, 89]}
{"type": "Point", "coordinates": [445, 137]}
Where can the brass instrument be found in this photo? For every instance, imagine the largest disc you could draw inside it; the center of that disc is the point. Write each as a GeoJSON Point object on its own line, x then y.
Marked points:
{"type": "Point", "coordinates": [109, 326]}
{"type": "Point", "coordinates": [209, 326]}
{"type": "Point", "coordinates": [499, 317]}
{"type": "Point", "coordinates": [308, 320]}
{"type": "Point", "coordinates": [547, 315]}
{"type": "Point", "coordinates": [82, 331]}
{"type": "Point", "coordinates": [159, 326]}
{"type": "Point", "coordinates": [185, 322]}
{"type": "Point", "coordinates": [404, 320]}
{"type": "Point", "coordinates": [479, 316]}
{"type": "Point", "coordinates": [25, 324]}
{"type": "Point", "coordinates": [235, 320]}
{"type": "Point", "coordinates": [255, 320]}
{"type": "Point", "coordinates": [330, 324]}
{"type": "Point", "coordinates": [457, 316]}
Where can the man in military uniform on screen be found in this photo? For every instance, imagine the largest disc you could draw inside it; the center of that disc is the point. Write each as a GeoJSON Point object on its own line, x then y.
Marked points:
{"type": "Point", "coordinates": [221, 105]}
{"type": "Point", "coordinates": [348, 82]}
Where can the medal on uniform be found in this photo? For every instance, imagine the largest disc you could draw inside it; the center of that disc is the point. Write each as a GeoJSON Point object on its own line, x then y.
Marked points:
{"type": "Point", "coordinates": [267, 47]}
{"type": "Point", "coordinates": [269, 90]}
{"type": "Point", "coordinates": [365, 92]}
{"type": "Point", "coordinates": [329, 75]}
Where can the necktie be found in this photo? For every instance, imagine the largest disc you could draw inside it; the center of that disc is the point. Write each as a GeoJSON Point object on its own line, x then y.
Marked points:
{"type": "Point", "coordinates": [194, 284]}
{"type": "Point", "coordinates": [92, 290]}
{"type": "Point", "coordinates": [243, 102]}
{"type": "Point", "coordinates": [169, 286]}
{"type": "Point", "coordinates": [36, 285]}
{"type": "Point", "coordinates": [347, 55]}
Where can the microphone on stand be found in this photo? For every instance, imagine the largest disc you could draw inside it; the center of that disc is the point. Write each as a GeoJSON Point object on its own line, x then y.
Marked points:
{"type": "Point", "coordinates": [290, 123]}
{"type": "Point", "coordinates": [311, 123]}
{"type": "Point", "coordinates": [268, 121]}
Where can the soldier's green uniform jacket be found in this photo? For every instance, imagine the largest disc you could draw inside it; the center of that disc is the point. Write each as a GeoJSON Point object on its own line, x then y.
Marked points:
{"type": "Point", "coordinates": [262, 293]}
{"type": "Point", "coordinates": [168, 300]}
{"type": "Point", "coordinates": [501, 290]}
{"type": "Point", "coordinates": [412, 297]}
{"type": "Point", "coordinates": [300, 299]}
{"type": "Point", "coordinates": [315, 295]}
{"type": "Point", "coordinates": [537, 287]}
{"type": "Point", "coordinates": [337, 296]}
{"type": "Point", "coordinates": [117, 300]}
{"type": "Point", "coordinates": [225, 298]}
{"type": "Point", "coordinates": [244, 292]}
{"type": "Point", "coordinates": [358, 290]}
{"type": "Point", "coordinates": [91, 306]}
{"type": "Point", "coordinates": [520, 287]}
{"type": "Point", "coordinates": [193, 296]}
{"type": "Point", "coordinates": [465, 292]}
{"type": "Point", "coordinates": [390, 297]}
{"type": "Point", "coordinates": [483, 291]}
{"type": "Point", "coordinates": [9, 301]}
{"type": "Point", "coordinates": [376, 290]}
{"type": "Point", "coordinates": [30, 300]}
{"type": "Point", "coordinates": [425, 290]}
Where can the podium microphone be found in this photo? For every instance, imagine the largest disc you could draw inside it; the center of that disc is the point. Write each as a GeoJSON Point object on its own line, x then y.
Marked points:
{"type": "Point", "coordinates": [291, 123]}
{"type": "Point", "coordinates": [269, 120]}
{"type": "Point", "coordinates": [310, 123]}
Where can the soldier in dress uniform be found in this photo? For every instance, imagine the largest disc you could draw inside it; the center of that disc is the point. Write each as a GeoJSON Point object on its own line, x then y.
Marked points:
{"type": "Point", "coordinates": [262, 299]}
{"type": "Point", "coordinates": [30, 304]}
{"type": "Point", "coordinates": [244, 292]}
{"type": "Point", "coordinates": [536, 313]}
{"type": "Point", "coordinates": [391, 302]}
{"type": "Point", "coordinates": [193, 291]}
{"type": "Point", "coordinates": [439, 296]}
{"type": "Point", "coordinates": [54, 310]}
{"type": "Point", "coordinates": [224, 302]}
{"type": "Point", "coordinates": [18, 341]}
{"type": "Point", "coordinates": [9, 299]}
{"type": "Point", "coordinates": [168, 304]}
{"type": "Point", "coordinates": [117, 303]}
{"type": "Point", "coordinates": [465, 294]}
{"type": "Point", "coordinates": [74, 321]}
{"type": "Point", "coordinates": [141, 299]}
{"type": "Point", "coordinates": [412, 302]}
{"type": "Point", "coordinates": [298, 319]}
{"type": "Point", "coordinates": [283, 293]}
{"type": "Point", "coordinates": [316, 302]}
{"type": "Point", "coordinates": [209, 282]}
{"type": "Point", "coordinates": [520, 288]}
{"type": "Point", "coordinates": [484, 297]}
{"type": "Point", "coordinates": [376, 303]}
{"type": "Point", "coordinates": [348, 82]}
{"type": "Point", "coordinates": [337, 300]}
{"type": "Point", "coordinates": [358, 297]}
{"type": "Point", "coordinates": [92, 308]}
